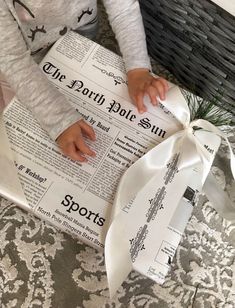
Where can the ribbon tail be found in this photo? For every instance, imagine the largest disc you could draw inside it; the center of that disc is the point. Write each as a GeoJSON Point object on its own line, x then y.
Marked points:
{"type": "Point", "coordinates": [219, 199]}
{"type": "Point", "coordinates": [137, 175]}
{"type": "Point", "coordinates": [149, 212]}
{"type": "Point", "coordinates": [117, 257]}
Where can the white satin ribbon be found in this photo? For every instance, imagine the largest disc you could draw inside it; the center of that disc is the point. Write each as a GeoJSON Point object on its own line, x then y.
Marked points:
{"type": "Point", "coordinates": [137, 228]}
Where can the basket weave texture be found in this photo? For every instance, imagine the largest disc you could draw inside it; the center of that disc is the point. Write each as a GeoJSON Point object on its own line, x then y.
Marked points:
{"type": "Point", "coordinates": [195, 40]}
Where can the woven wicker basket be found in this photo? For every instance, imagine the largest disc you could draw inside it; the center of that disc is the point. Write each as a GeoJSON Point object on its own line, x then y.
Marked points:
{"type": "Point", "coordinates": [195, 40]}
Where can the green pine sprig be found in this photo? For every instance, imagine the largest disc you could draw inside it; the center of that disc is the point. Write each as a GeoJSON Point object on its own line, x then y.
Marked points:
{"type": "Point", "coordinates": [201, 108]}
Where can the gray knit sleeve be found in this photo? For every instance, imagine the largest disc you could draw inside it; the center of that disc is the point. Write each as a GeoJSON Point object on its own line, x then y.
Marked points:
{"type": "Point", "coordinates": [126, 21]}
{"type": "Point", "coordinates": [32, 88]}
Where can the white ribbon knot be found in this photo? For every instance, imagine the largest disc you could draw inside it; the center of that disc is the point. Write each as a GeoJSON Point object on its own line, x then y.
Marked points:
{"type": "Point", "coordinates": [151, 190]}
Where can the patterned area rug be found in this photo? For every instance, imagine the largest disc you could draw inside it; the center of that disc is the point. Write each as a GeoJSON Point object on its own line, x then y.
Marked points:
{"type": "Point", "coordinates": [41, 266]}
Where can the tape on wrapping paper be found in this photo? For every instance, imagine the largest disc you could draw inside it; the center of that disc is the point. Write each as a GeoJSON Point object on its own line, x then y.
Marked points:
{"type": "Point", "coordinates": [136, 182]}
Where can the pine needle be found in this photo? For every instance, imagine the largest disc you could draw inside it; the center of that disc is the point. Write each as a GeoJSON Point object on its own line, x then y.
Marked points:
{"type": "Point", "coordinates": [208, 110]}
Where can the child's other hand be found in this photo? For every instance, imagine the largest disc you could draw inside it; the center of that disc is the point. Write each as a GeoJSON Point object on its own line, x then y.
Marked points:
{"type": "Point", "coordinates": [140, 83]}
{"type": "Point", "coordinates": [72, 143]}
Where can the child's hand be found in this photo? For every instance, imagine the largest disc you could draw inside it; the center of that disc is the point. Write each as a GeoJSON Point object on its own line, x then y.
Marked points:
{"type": "Point", "coordinates": [72, 143]}
{"type": "Point", "coordinates": [140, 83]}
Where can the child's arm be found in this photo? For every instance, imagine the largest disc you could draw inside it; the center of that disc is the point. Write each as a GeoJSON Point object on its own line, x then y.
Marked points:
{"type": "Point", "coordinates": [126, 21]}
{"type": "Point", "coordinates": [31, 86]}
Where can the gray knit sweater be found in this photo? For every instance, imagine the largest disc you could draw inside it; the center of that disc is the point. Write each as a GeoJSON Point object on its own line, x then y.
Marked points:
{"type": "Point", "coordinates": [29, 26]}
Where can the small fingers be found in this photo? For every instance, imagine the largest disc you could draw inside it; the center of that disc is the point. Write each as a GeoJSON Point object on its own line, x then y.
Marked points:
{"type": "Point", "coordinates": [157, 88]}
{"type": "Point", "coordinates": [83, 147]}
{"type": "Point", "coordinates": [72, 143]}
{"type": "Point", "coordinates": [71, 151]}
{"type": "Point", "coordinates": [162, 87]}
{"type": "Point", "coordinates": [165, 83]}
{"type": "Point", "coordinates": [87, 129]}
{"type": "Point", "coordinates": [139, 101]}
{"type": "Point", "coordinates": [153, 93]}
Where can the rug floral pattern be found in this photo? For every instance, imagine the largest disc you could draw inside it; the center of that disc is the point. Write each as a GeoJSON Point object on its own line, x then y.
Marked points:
{"type": "Point", "coordinates": [41, 266]}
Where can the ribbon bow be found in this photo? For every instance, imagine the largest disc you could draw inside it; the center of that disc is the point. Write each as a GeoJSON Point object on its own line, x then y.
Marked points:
{"type": "Point", "coordinates": [155, 197]}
